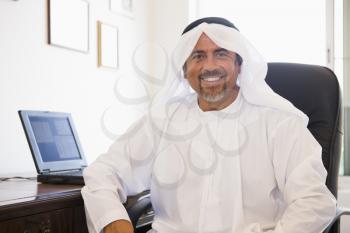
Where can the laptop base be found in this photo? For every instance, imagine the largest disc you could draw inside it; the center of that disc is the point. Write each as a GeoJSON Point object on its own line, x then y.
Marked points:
{"type": "Point", "coordinates": [57, 179]}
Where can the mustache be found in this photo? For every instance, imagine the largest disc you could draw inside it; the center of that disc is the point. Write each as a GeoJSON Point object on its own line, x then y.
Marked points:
{"type": "Point", "coordinates": [210, 73]}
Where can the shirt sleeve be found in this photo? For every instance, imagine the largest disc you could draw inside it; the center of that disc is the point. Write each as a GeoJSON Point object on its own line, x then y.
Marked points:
{"type": "Point", "coordinates": [124, 170]}
{"type": "Point", "coordinates": [301, 177]}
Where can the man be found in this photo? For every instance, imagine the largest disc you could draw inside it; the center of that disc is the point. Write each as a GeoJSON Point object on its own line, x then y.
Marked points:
{"type": "Point", "coordinates": [232, 156]}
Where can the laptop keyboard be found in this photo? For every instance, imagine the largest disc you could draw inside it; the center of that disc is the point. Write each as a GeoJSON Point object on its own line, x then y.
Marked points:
{"type": "Point", "coordinates": [71, 173]}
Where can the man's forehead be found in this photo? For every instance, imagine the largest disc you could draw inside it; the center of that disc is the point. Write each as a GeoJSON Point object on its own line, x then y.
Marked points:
{"type": "Point", "coordinates": [204, 43]}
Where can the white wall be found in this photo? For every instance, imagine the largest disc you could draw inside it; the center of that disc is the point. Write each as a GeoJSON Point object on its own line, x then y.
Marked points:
{"type": "Point", "coordinates": [168, 19]}
{"type": "Point", "coordinates": [344, 201]}
{"type": "Point", "coordinates": [37, 76]}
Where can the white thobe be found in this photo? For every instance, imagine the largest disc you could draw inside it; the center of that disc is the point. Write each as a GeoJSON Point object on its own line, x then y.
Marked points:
{"type": "Point", "coordinates": [243, 169]}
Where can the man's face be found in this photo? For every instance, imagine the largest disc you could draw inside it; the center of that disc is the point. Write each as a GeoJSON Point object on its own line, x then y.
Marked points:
{"type": "Point", "coordinates": [212, 72]}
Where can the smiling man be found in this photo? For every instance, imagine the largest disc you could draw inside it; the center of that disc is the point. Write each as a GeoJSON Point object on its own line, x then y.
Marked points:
{"type": "Point", "coordinates": [212, 72]}
{"type": "Point", "coordinates": [224, 155]}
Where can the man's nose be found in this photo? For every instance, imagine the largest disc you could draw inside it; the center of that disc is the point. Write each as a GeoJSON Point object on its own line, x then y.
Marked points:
{"type": "Point", "coordinates": [210, 63]}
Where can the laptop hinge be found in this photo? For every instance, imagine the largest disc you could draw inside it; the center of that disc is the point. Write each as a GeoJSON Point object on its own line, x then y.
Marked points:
{"type": "Point", "coordinates": [46, 171]}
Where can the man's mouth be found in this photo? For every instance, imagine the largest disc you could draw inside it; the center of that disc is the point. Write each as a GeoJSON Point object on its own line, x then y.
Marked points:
{"type": "Point", "coordinates": [211, 80]}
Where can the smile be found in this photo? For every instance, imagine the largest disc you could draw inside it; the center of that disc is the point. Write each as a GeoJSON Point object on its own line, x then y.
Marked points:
{"type": "Point", "coordinates": [211, 78]}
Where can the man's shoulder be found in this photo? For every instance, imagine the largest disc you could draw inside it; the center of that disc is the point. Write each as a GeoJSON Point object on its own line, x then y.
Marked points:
{"type": "Point", "coordinates": [186, 102]}
{"type": "Point", "coordinates": [183, 99]}
{"type": "Point", "coordinates": [273, 118]}
{"type": "Point", "coordinates": [270, 112]}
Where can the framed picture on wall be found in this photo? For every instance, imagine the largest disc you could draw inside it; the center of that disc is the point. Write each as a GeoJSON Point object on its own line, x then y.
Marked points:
{"type": "Point", "coordinates": [107, 39]}
{"type": "Point", "coordinates": [68, 24]}
{"type": "Point", "coordinates": [122, 7]}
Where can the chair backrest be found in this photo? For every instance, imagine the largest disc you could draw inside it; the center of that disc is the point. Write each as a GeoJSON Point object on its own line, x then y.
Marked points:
{"type": "Point", "coordinates": [315, 91]}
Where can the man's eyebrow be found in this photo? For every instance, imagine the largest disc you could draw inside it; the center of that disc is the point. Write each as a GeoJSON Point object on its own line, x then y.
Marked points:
{"type": "Point", "coordinates": [197, 51]}
{"type": "Point", "coordinates": [221, 50]}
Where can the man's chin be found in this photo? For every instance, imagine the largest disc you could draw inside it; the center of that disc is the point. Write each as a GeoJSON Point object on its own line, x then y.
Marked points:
{"type": "Point", "coordinates": [214, 98]}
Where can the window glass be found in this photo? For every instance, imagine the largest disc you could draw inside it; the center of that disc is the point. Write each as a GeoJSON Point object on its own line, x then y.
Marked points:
{"type": "Point", "coordinates": [287, 30]}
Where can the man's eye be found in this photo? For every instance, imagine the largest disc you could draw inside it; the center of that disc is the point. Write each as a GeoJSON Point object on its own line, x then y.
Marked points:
{"type": "Point", "coordinates": [222, 54]}
{"type": "Point", "coordinates": [197, 56]}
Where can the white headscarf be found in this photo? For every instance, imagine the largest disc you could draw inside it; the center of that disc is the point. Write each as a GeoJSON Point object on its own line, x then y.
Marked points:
{"type": "Point", "coordinates": [253, 69]}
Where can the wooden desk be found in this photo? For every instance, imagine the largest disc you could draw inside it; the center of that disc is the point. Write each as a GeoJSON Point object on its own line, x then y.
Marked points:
{"type": "Point", "coordinates": [30, 207]}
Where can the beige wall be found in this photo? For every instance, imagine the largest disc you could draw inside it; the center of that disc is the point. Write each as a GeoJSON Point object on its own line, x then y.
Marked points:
{"type": "Point", "coordinates": [37, 76]}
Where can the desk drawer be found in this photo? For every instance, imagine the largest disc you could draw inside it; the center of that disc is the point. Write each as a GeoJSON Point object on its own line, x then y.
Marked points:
{"type": "Point", "coordinates": [59, 221]}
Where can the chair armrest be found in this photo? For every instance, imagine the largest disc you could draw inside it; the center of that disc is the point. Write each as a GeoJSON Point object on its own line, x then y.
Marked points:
{"type": "Point", "coordinates": [339, 213]}
{"type": "Point", "coordinates": [138, 207]}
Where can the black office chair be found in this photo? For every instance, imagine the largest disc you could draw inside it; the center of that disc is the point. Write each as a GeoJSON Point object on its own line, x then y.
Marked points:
{"type": "Point", "coordinates": [315, 91]}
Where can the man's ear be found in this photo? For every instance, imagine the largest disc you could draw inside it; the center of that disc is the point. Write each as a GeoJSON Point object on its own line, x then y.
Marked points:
{"type": "Point", "coordinates": [238, 62]}
{"type": "Point", "coordinates": [184, 70]}
{"type": "Point", "coordinates": [238, 66]}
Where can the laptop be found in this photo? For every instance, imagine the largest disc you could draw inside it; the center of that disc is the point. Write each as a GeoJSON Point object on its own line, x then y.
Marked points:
{"type": "Point", "coordinates": [55, 146]}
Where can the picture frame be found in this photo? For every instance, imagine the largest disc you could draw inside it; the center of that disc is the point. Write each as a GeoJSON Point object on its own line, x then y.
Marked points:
{"type": "Point", "coordinates": [68, 24]}
{"type": "Point", "coordinates": [122, 7]}
{"type": "Point", "coordinates": [108, 48]}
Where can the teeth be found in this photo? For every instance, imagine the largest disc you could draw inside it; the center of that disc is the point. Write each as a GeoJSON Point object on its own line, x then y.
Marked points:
{"type": "Point", "coordinates": [211, 79]}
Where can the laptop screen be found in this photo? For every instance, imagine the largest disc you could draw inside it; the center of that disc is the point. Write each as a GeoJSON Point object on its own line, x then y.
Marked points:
{"type": "Point", "coordinates": [54, 138]}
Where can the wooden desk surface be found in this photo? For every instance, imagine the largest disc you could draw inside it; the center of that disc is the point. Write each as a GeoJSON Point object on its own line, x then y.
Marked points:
{"type": "Point", "coordinates": [28, 206]}
{"type": "Point", "coordinates": [16, 191]}
{"type": "Point", "coordinates": [20, 199]}
{"type": "Point", "coordinates": [24, 195]}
